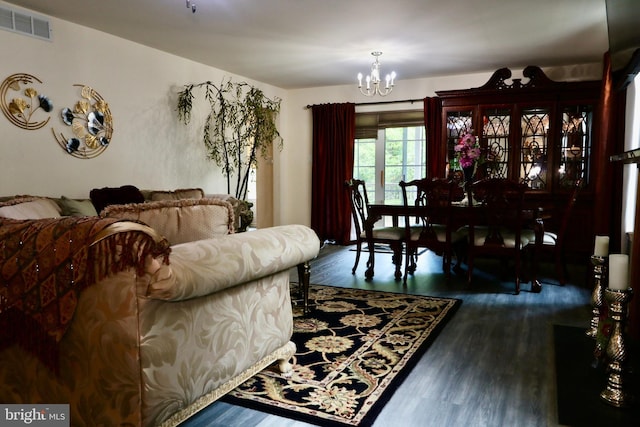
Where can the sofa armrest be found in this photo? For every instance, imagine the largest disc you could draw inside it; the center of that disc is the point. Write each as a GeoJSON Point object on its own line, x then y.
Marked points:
{"type": "Point", "coordinates": [208, 266]}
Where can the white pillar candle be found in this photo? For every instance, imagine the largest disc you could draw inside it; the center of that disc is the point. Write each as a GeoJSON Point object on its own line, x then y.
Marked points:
{"type": "Point", "coordinates": [601, 248]}
{"type": "Point", "coordinates": [618, 272]}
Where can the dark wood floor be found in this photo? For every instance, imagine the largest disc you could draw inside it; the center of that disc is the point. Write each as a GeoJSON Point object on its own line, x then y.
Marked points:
{"type": "Point", "coordinates": [492, 365]}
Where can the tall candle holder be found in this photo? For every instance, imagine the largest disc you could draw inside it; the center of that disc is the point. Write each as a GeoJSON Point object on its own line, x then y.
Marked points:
{"type": "Point", "coordinates": [615, 393]}
{"type": "Point", "coordinates": [600, 276]}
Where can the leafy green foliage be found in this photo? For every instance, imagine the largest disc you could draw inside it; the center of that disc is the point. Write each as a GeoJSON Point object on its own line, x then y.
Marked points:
{"type": "Point", "coordinates": [240, 126]}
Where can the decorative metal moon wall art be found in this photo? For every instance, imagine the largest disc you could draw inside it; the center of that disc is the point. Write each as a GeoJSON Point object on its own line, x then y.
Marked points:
{"type": "Point", "coordinates": [91, 123]}
{"type": "Point", "coordinates": [17, 109]}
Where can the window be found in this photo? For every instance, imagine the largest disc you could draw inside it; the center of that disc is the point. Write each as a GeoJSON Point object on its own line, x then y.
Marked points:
{"type": "Point", "coordinates": [398, 154]}
{"type": "Point", "coordinates": [404, 160]}
{"type": "Point", "coordinates": [389, 147]}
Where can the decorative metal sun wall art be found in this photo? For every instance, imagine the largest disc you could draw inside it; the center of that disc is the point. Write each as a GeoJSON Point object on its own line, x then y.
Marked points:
{"type": "Point", "coordinates": [20, 105]}
{"type": "Point", "coordinates": [91, 123]}
{"type": "Point", "coordinates": [90, 119]}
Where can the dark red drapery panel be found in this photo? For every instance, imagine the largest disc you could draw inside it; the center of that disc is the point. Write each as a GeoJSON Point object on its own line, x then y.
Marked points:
{"type": "Point", "coordinates": [334, 127]}
{"type": "Point", "coordinates": [608, 186]}
{"type": "Point", "coordinates": [610, 141]}
{"type": "Point", "coordinates": [433, 124]}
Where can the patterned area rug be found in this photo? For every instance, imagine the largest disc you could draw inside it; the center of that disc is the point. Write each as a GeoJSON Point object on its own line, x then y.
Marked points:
{"type": "Point", "coordinates": [353, 350]}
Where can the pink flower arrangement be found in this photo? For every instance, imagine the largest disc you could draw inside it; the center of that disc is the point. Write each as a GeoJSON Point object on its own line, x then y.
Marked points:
{"type": "Point", "coordinates": [467, 150]}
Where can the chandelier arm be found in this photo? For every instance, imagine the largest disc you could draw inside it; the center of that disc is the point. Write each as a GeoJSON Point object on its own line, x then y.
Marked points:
{"type": "Point", "coordinates": [386, 92]}
{"type": "Point", "coordinates": [365, 93]}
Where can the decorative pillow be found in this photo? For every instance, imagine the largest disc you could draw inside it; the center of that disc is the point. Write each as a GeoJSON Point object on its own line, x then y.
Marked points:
{"type": "Point", "coordinates": [29, 207]}
{"type": "Point", "coordinates": [76, 207]}
{"type": "Point", "coordinates": [180, 221]}
{"type": "Point", "coordinates": [183, 193]}
{"type": "Point", "coordinates": [103, 197]}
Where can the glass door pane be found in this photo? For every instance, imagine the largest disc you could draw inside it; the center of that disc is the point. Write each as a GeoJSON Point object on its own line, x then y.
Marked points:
{"type": "Point", "coordinates": [364, 164]}
{"type": "Point", "coordinates": [404, 160]}
{"type": "Point", "coordinates": [495, 142]}
{"type": "Point", "coordinates": [397, 154]}
{"type": "Point", "coordinates": [458, 123]}
{"type": "Point", "coordinates": [576, 144]}
{"type": "Point", "coordinates": [534, 147]}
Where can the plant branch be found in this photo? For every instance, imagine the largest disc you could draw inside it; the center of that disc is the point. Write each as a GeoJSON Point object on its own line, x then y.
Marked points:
{"type": "Point", "coordinates": [240, 125]}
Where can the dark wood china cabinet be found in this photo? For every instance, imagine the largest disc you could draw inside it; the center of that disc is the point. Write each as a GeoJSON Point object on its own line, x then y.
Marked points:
{"type": "Point", "coordinates": [532, 130]}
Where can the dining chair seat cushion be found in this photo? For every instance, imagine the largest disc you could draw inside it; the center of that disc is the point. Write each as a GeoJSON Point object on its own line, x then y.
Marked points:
{"type": "Point", "coordinates": [508, 237]}
{"type": "Point", "coordinates": [550, 238]}
{"type": "Point", "coordinates": [440, 231]}
{"type": "Point", "coordinates": [386, 233]}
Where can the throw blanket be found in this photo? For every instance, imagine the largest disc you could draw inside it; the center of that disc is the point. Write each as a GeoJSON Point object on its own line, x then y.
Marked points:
{"type": "Point", "coordinates": [45, 264]}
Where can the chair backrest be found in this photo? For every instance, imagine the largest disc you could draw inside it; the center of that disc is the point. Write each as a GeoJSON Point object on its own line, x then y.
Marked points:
{"type": "Point", "coordinates": [434, 195]}
{"type": "Point", "coordinates": [501, 201]}
{"type": "Point", "coordinates": [429, 192]}
{"type": "Point", "coordinates": [359, 203]}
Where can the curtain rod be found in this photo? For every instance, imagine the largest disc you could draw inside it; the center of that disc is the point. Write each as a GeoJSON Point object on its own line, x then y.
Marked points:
{"type": "Point", "coordinates": [359, 104]}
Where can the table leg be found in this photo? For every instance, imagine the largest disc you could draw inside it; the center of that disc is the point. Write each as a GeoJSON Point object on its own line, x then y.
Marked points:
{"type": "Point", "coordinates": [304, 274]}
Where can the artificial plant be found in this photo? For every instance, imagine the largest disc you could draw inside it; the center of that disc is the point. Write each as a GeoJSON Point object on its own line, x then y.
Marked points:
{"type": "Point", "coordinates": [240, 126]}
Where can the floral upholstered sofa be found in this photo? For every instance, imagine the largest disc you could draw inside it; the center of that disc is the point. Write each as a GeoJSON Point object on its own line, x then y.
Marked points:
{"type": "Point", "coordinates": [145, 314]}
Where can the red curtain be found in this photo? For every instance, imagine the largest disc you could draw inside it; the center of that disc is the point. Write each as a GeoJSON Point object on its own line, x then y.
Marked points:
{"type": "Point", "coordinates": [435, 149]}
{"type": "Point", "coordinates": [607, 207]}
{"type": "Point", "coordinates": [334, 127]}
{"type": "Point", "coordinates": [610, 141]}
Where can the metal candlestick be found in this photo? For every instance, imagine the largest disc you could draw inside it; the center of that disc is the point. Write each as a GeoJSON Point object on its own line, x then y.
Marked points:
{"type": "Point", "coordinates": [600, 276]}
{"type": "Point", "coordinates": [614, 393]}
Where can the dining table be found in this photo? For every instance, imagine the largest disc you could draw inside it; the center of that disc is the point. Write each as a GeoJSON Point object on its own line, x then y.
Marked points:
{"type": "Point", "coordinates": [461, 214]}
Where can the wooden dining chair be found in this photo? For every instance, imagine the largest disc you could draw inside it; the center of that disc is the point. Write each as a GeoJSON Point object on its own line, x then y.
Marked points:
{"type": "Point", "coordinates": [553, 239]}
{"type": "Point", "coordinates": [431, 227]}
{"type": "Point", "coordinates": [496, 224]}
{"type": "Point", "coordinates": [391, 236]}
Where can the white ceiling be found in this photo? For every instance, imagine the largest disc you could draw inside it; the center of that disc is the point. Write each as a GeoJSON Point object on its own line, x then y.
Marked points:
{"type": "Point", "coordinates": [311, 43]}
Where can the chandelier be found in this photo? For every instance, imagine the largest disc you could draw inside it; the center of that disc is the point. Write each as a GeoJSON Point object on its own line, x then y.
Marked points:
{"type": "Point", "coordinates": [373, 79]}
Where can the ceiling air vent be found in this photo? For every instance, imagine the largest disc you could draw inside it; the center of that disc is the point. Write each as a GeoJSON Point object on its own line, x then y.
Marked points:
{"type": "Point", "coordinates": [24, 23]}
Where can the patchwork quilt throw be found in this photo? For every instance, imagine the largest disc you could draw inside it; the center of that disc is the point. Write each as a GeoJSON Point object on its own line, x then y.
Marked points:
{"type": "Point", "coordinates": [45, 264]}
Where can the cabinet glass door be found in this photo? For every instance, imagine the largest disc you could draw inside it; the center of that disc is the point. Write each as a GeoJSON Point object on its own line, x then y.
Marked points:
{"type": "Point", "coordinates": [458, 123]}
{"type": "Point", "coordinates": [575, 147]}
{"type": "Point", "coordinates": [495, 142]}
{"type": "Point", "coordinates": [534, 148]}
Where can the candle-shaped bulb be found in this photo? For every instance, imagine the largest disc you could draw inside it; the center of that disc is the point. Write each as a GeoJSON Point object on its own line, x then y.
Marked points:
{"type": "Point", "coordinates": [359, 79]}
{"type": "Point", "coordinates": [393, 77]}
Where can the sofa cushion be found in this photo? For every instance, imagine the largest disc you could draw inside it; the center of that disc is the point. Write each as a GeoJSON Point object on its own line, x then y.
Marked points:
{"type": "Point", "coordinates": [179, 221]}
{"type": "Point", "coordinates": [183, 193]}
{"type": "Point", "coordinates": [76, 207]}
{"type": "Point", "coordinates": [29, 207]}
{"type": "Point", "coordinates": [106, 196]}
